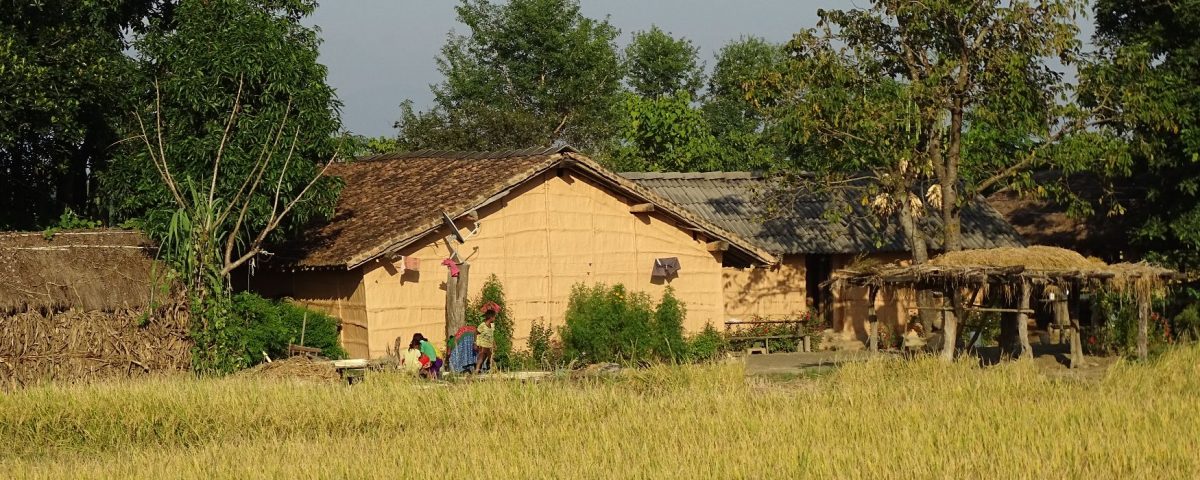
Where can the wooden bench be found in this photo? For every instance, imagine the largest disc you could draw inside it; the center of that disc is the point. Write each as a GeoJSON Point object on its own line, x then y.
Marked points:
{"type": "Point", "coordinates": [302, 351]}
{"type": "Point", "coordinates": [802, 346]}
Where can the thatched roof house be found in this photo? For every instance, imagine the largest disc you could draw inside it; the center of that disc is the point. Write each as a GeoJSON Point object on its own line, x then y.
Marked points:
{"type": "Point", "coordinates": [541, 220]}
{"type": "Point", "coordinates": [391, 200]}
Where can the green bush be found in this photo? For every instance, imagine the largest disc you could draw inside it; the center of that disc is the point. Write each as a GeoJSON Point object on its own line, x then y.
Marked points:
{"type": "Point", "coordinates": [611, 324]}
{"type": "Point", "coordinates": [1119, 331]}
{"type": "Point", "coordinates": [668, 321]}
{"type": "Point", "coordinates": [493, 291]}
{"type": "Point", "coordinates": [707, 345]}
{"type": "Point", "coordinates": [543, 352]}
{"type": "Point", "coordinates": [270, 325]}
{"type": "Point", "coordinates": [1187, 323]}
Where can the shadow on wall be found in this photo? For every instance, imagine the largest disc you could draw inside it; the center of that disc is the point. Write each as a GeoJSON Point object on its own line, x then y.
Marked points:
{"type": "Point", "coordinates": [891, 305]}
{"type": "Point", "coordinates": [764, 292]}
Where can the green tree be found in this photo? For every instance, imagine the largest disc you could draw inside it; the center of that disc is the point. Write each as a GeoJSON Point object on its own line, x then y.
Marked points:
{"type": "Point", "coordinates": [663, 134]}
{"type": "Point", "coordinates": [236, 124]}
{"type": "Point", "coordinates": [195, 68]}
{"type": "Point", "coordinates": [661, 65]}
{"type": "Point", "coordinates": [530, 72]}
{"type": "Point", "coordinates": [977, 64]}
{"type": "Point", "coordinates": [1147, 80]}
{"type": "Point", "coordinates": [64, 82]}
{"type": "Point", "coordinates": [733, 118]}
{"type": "Point", "coordinates": [895, 89]}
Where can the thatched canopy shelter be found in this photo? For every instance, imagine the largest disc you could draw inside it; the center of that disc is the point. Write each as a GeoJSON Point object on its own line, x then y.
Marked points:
{"type": "Point", "coordinates": [1015, 270]}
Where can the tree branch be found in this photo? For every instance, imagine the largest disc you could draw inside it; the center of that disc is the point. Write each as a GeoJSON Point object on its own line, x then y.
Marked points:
{"type": "Point", "coordinates": [237, 102]}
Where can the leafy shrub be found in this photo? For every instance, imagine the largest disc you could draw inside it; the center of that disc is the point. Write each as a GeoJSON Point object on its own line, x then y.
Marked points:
{"type": "Point", "coordinates": [1118, 334]}
{"type": "Point", "coordinates": [706, 345]}
{"type": "Point", "coordinates": [607, 324]}
{"type": "Point", "coordinates": [69, 221]}
{"type": "Point", "coordinates": [668, 322]}
{"type": "Point", "coordinates": [493, 291]}
{"type": "Point", "coordinates": [1187, 323]}
{"type": "Point", "coordinates": [543, 351]}
{"type": "Point", "coordinates": [270, 325]}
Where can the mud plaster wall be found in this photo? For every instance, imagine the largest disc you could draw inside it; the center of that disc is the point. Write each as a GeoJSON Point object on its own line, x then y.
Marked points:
{"type": "Point", "coordinates": [765, 292]}
{"type": "Point", "coordinates": [548, 235]}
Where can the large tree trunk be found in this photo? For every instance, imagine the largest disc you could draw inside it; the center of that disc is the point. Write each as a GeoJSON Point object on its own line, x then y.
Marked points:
{"type": "Point", "coordinates": [920, 254]}
{"type": "Point", "coordinates": [456, 299]}
{"type": "Point", "coordinates": [1023, 321]}
{"type": "Point", "coordinates": [952, 240]}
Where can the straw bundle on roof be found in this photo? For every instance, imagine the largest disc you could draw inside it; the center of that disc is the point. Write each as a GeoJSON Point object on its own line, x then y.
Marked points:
{"type": "Point", "coordinates": [1031, 258]}
{"type": "Point", "coordinates": [1038, 264]}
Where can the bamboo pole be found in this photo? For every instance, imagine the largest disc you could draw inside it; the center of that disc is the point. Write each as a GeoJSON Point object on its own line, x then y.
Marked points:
{"type": "Point", "coordinates": [873, 320]}
{"type": "Point", "coordinates": [1143, 301]}
{"type": "Point", "coordinates": [950, 325]}
{"type": "Point", "coordinates": [1023, 321]}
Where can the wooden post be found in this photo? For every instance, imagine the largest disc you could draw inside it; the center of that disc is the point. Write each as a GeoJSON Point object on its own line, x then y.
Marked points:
{"type": "Point", "coordinates": [950, 324]}
{"type": "Point", "coordinates": [1023, 321]}
{"type": "Point", "coordinates": [1143, 302]}
{"type": "Point", "coordinates": [456, 299]}
{"type": "Point", "coordinates": [1062, 318]}
{"type": "Point", "coordinates": [872, 320]}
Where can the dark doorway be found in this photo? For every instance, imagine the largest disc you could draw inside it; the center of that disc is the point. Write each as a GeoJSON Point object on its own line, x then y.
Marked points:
{"type": "Point", "coordinates": [817, 270]}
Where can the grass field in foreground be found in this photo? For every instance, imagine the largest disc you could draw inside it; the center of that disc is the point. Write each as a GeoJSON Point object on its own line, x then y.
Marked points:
{"type": "Point", "coordinates": [881, 419]}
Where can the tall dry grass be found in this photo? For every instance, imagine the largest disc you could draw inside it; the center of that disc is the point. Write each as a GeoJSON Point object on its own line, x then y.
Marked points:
{"type": "Point", "coordinates": [882, 419]}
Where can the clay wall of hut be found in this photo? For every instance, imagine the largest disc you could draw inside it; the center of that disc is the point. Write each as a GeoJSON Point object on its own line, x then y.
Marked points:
{"type": "Point", "coordinates": [547, 236]}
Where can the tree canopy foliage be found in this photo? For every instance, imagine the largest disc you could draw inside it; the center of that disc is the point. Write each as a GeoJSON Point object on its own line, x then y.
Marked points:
{"type": "Point", "coordinates": [64, 82]}
{"type": "Point", "coordinates": [529, 72]}
{"type": "Point", "coordinates": [661, 65]}
{"type": "Point", "coordinates": [195, 69]}
{"type": "Point", "coordinates": [901, 86]}
{"type": "Point", "coordinates": [1146, 83]}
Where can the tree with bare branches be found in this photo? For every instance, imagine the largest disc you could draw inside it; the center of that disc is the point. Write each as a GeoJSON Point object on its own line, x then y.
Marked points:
{"type": "Point", "coordinates": [228, 153]}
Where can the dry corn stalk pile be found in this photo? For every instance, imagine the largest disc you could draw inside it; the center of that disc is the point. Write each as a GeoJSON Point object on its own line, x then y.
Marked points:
{"type": "Point", "coordinates": [86, 346]}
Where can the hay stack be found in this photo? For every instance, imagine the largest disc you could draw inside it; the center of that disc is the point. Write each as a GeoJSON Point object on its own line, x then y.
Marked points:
{"type": "Point", "coordinates": [1032, 258]}
{"type": "Point", "coordinates": [296, 368]}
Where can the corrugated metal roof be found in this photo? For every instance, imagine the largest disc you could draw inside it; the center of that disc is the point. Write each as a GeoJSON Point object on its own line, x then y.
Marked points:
{"type": "Point", "coordinates": [824, 222]}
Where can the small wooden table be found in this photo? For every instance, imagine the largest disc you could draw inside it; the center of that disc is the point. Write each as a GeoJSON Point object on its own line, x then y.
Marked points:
{"type": "Point", "coordinates": [353, 370]}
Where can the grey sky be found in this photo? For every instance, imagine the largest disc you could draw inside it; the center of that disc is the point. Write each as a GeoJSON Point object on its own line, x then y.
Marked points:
{"type": "Point", "coordinates": [381, 52]}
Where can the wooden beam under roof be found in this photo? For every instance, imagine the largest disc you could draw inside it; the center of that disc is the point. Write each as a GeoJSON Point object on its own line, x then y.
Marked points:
{"type": "Point", "coordinates": [641, 208]}
{"type": "Point", "coordinates": [718, 246]}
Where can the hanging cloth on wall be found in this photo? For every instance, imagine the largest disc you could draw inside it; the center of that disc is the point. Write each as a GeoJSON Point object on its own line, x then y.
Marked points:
{"type": "Point", "coordinates": [412, 263]}
{"type": "Point", "coordinates": [665, 267]}
{"type": "Point", "coordinates": [449, 263]}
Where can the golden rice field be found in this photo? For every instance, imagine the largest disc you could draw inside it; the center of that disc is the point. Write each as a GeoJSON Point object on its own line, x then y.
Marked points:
{"type": "Point", "coordinates": [882, 419]}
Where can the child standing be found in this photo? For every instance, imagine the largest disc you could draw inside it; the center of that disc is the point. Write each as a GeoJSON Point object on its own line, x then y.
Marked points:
{"type": "Point", "coordinates": [485, 336]}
